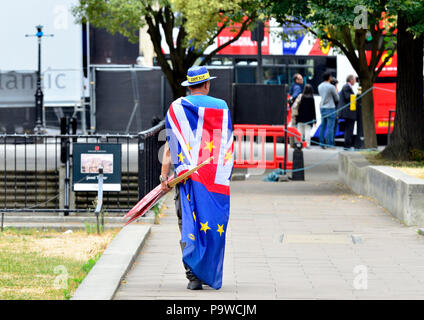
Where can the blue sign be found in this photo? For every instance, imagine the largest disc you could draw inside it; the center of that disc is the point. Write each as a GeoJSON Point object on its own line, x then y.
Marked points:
{"type": "Point", "coordinates": [294, 39]}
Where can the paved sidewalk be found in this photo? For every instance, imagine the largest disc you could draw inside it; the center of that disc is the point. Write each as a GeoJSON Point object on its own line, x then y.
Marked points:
{"type": "Point", "coordinates": [292, 240]}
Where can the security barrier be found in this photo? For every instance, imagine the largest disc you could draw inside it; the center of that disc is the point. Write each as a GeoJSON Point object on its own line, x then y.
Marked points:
{"type": "Point", "coordinates": [32, 178]}
{"type": "Point", "coordinates": [251, 133]}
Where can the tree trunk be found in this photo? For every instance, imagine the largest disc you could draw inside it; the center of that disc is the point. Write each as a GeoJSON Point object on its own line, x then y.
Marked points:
{"type": "Point", "coordinates": [408, 131]}
{"type": "Point", "coordinates": [177, 90]}
{"type": "Point", "coordinates": [368, 122]}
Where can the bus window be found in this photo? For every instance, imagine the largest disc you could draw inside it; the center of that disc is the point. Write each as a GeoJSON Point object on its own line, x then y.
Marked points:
{"type": "Point", "coordinates": [245, 74]}
{"type": "Point", "coordinates": [274, 75]}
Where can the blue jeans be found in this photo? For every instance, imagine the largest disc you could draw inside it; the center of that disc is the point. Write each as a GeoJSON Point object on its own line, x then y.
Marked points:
{"type": "Point", "coordinates": [327, 122]}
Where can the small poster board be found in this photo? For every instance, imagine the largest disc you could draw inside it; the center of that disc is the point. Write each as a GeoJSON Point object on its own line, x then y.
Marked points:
{"type": "Point", "coordinates": [86, 160]}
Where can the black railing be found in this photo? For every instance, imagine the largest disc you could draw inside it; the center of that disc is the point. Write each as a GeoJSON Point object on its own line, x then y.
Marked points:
{"type": "Point", "coordinates": [149, 158]}
{"type": "Point", "coordinates": [34, 179]}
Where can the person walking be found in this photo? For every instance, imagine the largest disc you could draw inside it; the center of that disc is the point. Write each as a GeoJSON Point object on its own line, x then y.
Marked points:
{"type": "Point", "coordinates": [198, 127]}
{"type": "Point", "coordinates": [349, 115]}
{"type": "Point", "coordinates": [306, 116]}
{"type": "Point", "coordinates": [329, 99]}
{"type": "Point", "coordinates": [335, 83]}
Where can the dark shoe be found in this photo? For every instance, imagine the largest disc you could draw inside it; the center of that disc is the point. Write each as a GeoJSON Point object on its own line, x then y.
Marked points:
{"type": "Point", "coordinates": [323, 147]}
{"type": "Point", "coordinates": [195, 285]}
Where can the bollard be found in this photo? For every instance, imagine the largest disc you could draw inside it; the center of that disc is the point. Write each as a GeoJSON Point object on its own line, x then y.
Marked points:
{"type": "Point", "coordinates": [298, 174]}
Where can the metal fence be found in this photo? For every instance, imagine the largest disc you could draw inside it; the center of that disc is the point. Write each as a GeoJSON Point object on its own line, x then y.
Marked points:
{"type": "Point", "coordinates": [35, 171]}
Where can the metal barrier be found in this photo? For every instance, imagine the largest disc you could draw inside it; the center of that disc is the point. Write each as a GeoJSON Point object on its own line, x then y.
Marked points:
{"type": "Point", "coordinates": [34, 179]}
{"type": "Point", "coordinates": [242, 132]}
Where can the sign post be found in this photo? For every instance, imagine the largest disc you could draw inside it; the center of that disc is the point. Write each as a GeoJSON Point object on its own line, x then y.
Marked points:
{"type": "Point", "coordinates": [97, 167]}
{"type": "Point", "coordinates": [258, 36]}
{"type": "Point", "coordinates": [88, 158]}
{"type": "Point", "coordinates": [100, 200]}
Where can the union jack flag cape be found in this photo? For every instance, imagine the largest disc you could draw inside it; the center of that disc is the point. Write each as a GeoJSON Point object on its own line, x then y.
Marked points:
{"type": "Point", "coordinates": [194, 134]}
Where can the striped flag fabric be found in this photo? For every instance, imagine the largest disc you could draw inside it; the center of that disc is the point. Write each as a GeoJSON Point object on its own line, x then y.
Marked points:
{"type": "Point", "coordinates": [194, 134]}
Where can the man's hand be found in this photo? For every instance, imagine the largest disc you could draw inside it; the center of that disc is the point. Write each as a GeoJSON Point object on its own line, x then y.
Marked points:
{"type": "Point", "coordinates": [164, 186]}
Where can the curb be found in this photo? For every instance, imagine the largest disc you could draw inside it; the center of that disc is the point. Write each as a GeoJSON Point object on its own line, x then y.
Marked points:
{"type": "Point", "coordinates": [104, 279]}
{"type": "Point", "coordinates": [50, 219]}
{"type": "Point", "coordinates": [238, 177]}
{"type": "Point", "coordinates": [68, 223]}
{"type": "Point", "coordinates": [399, 193]}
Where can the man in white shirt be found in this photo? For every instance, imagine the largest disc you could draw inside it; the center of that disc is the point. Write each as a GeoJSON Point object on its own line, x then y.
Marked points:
{"type": "Point", "coordinates": [329, 99]}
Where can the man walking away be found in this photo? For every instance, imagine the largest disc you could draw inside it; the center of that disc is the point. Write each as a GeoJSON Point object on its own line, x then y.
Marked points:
{"type": "Point", "coordinates": [349, 115]}
{"type": "Point", "coordinates": [329, 99]}
{"type": "Point", "coordinates": [198, 127]}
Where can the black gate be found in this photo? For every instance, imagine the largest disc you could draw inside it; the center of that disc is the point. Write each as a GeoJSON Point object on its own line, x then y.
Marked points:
{"type": "Point", "coordinates": [35, 175]}
{"type": "Point", "coordinates": [258, 103]}
{"type": "Point", "coordinates": [126, 99]}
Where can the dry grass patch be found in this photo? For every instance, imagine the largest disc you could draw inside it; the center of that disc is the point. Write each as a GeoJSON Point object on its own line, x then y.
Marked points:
{"type": "Point", "coordinates": [413, 168]}
{"type": "Point", "coordinates": [416, 172]}
{"type": "Point", "coordinates": [47, 265]}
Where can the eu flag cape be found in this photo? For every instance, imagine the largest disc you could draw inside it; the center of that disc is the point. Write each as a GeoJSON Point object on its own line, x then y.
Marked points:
{"type": "Point", "coordinates": [194, 134]}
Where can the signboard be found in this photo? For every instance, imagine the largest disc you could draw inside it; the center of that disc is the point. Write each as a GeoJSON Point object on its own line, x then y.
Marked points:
{"type": "Point", "coordinates": [61, 55]}
{"type": "Point", "coordinates": [319, 48]}
{"type": "Point", "coordinates": [272, 43]}
{"type": "Point", "coordinates": [244, 45]}
{"type": "Point", "coordinates": [88, 157]}
{"type": "Point", "coordinates": [17, 89]}
{"type": "Point", "coordinates": [293, 39]}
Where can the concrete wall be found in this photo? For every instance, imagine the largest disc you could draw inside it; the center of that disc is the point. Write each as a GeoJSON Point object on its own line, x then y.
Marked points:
{"type": "Point", "coordinates": [401, 194]}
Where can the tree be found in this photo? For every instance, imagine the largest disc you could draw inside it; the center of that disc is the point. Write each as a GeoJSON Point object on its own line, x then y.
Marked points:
{"type": "Point", "coordinates": [199, 22]}
{"type": "Point", "coordinates": [408, 131]}
{"type": "Point", "coordinates": [348, 25]}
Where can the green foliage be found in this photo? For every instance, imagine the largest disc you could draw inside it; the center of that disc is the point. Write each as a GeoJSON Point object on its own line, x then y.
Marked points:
{"type": "Point", "coordinates": [204, 18]}
{"type": "Point", "coordinates": [92, 227]}
{"type": "Point", "coordinates": [413, 10]}
{"type": "Point", "coordinates": [353, 26]}
{"type": "Point", "coordinates": [199, 18]}
{"type": "Point", "coordinates": [156, 209]}
{"type": "Point", "coordinates": [32, 271]}
{"type": "Point", "coordinates": [416, 155]}
{"type": "Point", "coordinates": [76, 281]}
{"type": "Point", "coordinates": [125, 17]}
{"type": "Point", "coordinates": [196, 22]}
{"type": "Point", "coordinates": [341, 23]}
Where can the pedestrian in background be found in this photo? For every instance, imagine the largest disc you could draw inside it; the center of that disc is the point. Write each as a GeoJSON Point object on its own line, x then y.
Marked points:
{"type": "Point", "coordinates": [329, 99]}
{"type": "Point", "coordinates": [306, 116]}
{"type": "Point", "coordinates": [347, 113]}
{"type": "Point", "coordinates": [335, 82]}
{"type": "Point", "coordinates": [296, 88]}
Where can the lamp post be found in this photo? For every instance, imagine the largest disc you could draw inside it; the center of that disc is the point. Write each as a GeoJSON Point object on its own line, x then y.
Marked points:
{"type": "Point", "coordinates": [39, 96]}
{"type": "Point", "coordinates": [257, 35]}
